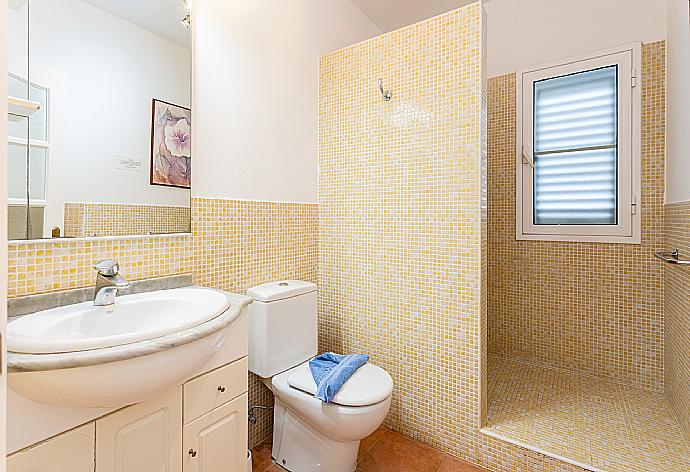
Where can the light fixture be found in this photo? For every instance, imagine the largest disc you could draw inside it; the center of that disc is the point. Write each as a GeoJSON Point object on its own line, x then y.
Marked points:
{"type": "Point", "coordinates": [187, 20]}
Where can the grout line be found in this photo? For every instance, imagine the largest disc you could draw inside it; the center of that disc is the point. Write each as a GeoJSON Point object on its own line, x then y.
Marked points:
{"type": "Point", "coordinates": [440, 464]}
{"type": "Point", "coordinates": [632, 439]}
{"type": "Point", "coordinates": [631, 431]}
{"type": "Point", "coordinates": [574, 372]}
{"type": "Point", "coordinates": [444, 455]}
{"type": "Point", "coordinates": [372, 446]}
{"type": "Point", "coordinates": [490, 432]}
{"type": "Point", "coordinates": [676, 418]}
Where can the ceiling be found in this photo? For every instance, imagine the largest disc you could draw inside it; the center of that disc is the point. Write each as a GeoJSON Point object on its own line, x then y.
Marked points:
{"type": "Point", "coordinates": [163, 16]}
{"type": "Point", "coordinates": [159, 16]}
{"type": "Point", "coordinates": [390, 15]}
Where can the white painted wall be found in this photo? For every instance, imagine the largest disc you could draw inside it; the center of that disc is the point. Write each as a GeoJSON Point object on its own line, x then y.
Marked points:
{"type": "Point", "coordinates": [255, 93]}
{"type": "Point", "coordinates": [678, 103]}
{"type": "Point", "coordinates": [102, 72]}
{"type": "Point", "coordinates": [523, 33]}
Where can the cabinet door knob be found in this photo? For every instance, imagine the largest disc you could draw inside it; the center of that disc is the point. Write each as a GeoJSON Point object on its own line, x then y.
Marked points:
{"type": "Point", "coordinates": [192, 452]}
{"type": "Point", "coordinates": [221, 389]}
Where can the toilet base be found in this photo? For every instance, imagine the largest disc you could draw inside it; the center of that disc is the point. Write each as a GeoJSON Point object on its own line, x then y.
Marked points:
{"type": "Point", "coordinates": [297, 447]}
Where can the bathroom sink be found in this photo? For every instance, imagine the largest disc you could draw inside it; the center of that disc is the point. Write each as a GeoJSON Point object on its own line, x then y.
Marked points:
{"type": "Point", "coordinates": [132, 319]}
{"type": "Point", "coordinates": [144, 344]}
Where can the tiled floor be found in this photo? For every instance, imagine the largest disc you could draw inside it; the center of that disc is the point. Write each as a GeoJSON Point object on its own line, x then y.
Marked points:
{"type": "Point", "coordinates": [384, 451]}
{"type": "Point", "coordinates": [600, 424]}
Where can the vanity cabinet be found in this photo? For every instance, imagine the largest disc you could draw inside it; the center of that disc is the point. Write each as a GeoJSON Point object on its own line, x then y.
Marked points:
{"type": "Point", "coordinates": [214, 388]}
{"type": "Point", "coordinates": [200, 426]}
{"type": "Point", "coordinates": [71, 451]}
{"type": "Point", "coordinates": [216, 441]}
{"type": "Point", "coordinates": [146, 436]}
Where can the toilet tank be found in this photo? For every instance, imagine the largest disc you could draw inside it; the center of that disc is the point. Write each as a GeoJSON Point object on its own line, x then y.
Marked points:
{"type": "Point", "coordinates": [282, 326]}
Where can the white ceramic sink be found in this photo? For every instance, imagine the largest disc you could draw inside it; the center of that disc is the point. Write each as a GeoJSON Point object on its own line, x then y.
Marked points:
{"type": "Point", "coordinates": [132, 319]}
{"type": "Point", "coordinates": [145, 344]}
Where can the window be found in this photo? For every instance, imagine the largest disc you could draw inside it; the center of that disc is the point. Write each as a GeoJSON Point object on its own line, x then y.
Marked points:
{"type": "Point", "coordinates": [578, 166]}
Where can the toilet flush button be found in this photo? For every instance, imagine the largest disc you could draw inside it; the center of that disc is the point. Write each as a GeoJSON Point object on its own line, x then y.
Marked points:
{"type": "Point", "coordinates": [283, 284]}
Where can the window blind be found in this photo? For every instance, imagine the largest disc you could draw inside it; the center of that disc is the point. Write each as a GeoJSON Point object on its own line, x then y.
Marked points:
{"type": "Point", "coordinates": [576, 149]}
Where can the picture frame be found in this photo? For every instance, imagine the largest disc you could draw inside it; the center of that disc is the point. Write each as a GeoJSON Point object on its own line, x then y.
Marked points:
{"type": "Point", "coordinates": [171, 141]}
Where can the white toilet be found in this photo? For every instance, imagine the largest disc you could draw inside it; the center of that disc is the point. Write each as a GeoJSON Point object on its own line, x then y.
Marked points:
{"type": "Point", "coordinates": [309, 435]}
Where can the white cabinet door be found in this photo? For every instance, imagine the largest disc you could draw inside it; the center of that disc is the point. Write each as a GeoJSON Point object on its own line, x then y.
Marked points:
{"type": "Point", "coordinates": [142, 438]}
{"type": "Point", "coordinates": [217, 441]}
{"type": "Point", "coordinates": [71, 451]}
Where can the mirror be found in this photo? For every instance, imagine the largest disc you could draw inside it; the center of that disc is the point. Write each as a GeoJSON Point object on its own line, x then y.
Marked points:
{"type": "Point", "coordinates": [100, 120]}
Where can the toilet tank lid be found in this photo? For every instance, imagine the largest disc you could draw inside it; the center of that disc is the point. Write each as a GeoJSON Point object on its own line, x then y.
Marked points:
{"type": "Point", "coordinates": [280, 290]}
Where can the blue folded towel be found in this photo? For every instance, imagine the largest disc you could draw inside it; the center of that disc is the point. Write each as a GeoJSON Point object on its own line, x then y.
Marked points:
{"type": "Point", "coordinates": [331, 371]}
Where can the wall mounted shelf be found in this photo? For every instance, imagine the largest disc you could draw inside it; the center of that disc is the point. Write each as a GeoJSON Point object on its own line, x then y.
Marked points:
{"type": "Point", "coordinates": [19, 108]}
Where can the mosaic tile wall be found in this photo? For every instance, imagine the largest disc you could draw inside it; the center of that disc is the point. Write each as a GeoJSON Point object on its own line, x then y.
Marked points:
{"type": "Point", "coordinates": [235, 245]}
{"type": "Point", "coordinates": [105, 219]}
{"type": "Point", "coordinates": [593, 308]}
{"type": "Point", "coordinates": [400, 217]}
{"type": "Point", "coordinates": [240, 244]}
{"type": "Point", "coordinates": [402, 197]}
{"type": "Point", "coordinates": [677, 314]}
{"type": "Point", "coordinates": [53, 265]}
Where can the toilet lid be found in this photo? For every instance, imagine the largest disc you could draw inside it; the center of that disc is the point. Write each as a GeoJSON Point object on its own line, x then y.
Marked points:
{"type": "Point", "coordinates": [367, 386]}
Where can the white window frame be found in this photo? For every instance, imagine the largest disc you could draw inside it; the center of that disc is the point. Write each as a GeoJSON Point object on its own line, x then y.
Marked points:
{"type": "Point", "coordinates": [628, 230]}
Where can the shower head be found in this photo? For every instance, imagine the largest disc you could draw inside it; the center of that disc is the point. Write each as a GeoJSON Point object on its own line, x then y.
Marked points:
{"type": "Point", "coordinates": [387, 95]}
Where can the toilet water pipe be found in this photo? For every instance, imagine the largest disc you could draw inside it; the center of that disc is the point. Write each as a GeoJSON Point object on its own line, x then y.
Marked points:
{"type": "Point", "coordinates": [252, 416]}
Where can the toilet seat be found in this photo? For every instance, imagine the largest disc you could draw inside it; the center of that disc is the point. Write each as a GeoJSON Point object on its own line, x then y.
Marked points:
{"type": "Point", "coordinates": [335, 421]}
{"type": "Point", "coordinates": [367, 386]}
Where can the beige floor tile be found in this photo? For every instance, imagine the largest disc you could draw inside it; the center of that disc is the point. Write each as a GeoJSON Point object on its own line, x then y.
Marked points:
{"type": "Point", "coordinates": [367, 443]}
{"type": "Point", "coordinates": [451, 464]}
{"type": "Point", "coordinates": [261, 457]}
{"type": "Point", "coordinates": [396, 453]}
{"type": "Point", "coordinates": [595, 422]}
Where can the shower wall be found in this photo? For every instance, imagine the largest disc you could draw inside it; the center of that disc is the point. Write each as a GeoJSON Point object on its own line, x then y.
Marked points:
{"type": "Point", "coordinates": [402, 227]}
{"type": "Point", "coordinates": [594, 308]}
{"type": "Point", "coordinates": [400, 216]}
{"type": "Point", "coordinates": [400, 208]}
{"type": "Point", "coordinates": [677, 314]}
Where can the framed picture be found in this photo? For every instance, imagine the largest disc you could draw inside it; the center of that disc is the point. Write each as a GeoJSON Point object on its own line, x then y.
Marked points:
{"type": "Point", "coordinates": [171, 145]}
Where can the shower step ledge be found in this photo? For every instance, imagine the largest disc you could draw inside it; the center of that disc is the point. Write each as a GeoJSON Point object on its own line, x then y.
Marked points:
{"type": "Point", "coordinates": [501, 437]}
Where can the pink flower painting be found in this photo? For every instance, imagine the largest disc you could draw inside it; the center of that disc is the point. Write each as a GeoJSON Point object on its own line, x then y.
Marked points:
{"type": "Point", "coordinates": [171, 145]}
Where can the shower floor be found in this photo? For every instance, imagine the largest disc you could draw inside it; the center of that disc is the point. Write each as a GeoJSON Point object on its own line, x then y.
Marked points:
{"type": "Point", "coordinates": [597, 424]}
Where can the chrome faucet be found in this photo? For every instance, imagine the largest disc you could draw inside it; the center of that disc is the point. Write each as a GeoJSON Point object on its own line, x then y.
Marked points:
{"type": "Point", "coordinates": [108, 282]}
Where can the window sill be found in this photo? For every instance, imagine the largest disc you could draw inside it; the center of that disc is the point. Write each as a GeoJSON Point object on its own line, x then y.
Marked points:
{"type": "Point", "coordinates": [571, 238]}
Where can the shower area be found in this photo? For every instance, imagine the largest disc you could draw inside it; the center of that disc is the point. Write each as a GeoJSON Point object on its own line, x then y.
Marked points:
{"type": "Point", "coordinates": [586, 361]}
{"type": "Point", "coordinates": [402, 168]}
{"type": "Point", "coordinates": [513, 354]}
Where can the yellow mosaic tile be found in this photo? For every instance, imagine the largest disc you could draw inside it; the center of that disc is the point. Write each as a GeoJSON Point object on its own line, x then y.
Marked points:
{"type": "Point", "coordinates": [402, 210]}
{"type": "Point", "coordinates": [400, 194]}
{"type": "Point", "coordinates": [601, 424]}
{"type": "Point", "coordinates": [53, 265]}
{"type": "Point", "coordinates": [73, 220]}
{"type": "Point", "coordinates": [588, 307]}
{"type": "Point", "coordinates": [240, 244]}
{"type": "Point", "coordinates": [105, 219]}
{"type": "Point", "coordinates": [402, 230]}
{"type": "Point", "coordinates": [676, 316]}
